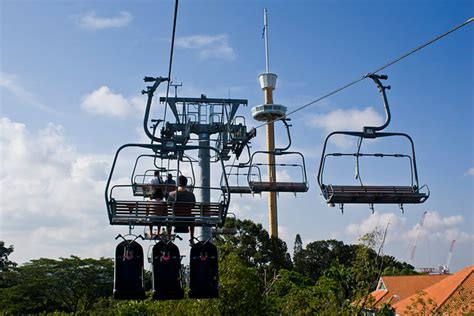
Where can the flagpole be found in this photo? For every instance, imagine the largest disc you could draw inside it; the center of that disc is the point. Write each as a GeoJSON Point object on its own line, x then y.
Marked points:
{"type": "Point", "coordinates": [265, 30]}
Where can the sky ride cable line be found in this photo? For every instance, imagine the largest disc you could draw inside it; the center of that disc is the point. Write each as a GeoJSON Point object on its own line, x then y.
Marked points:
{"type": "Point", "coordinates": [370, 73]}
{"type": "Point", "coordinates": [171, 57]}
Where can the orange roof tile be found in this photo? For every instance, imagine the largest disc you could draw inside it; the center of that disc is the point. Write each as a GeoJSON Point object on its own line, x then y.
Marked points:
{"type": "Point", "coordinates": [454, 294]}
{"type": "Point", "coordinates": [378, 295]}
{"type": "Point", "coordinates": [403, 286]}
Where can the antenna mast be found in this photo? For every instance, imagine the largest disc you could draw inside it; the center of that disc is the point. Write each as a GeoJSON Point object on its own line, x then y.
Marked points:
{"type": "Point", "coordinates": [265, 33]}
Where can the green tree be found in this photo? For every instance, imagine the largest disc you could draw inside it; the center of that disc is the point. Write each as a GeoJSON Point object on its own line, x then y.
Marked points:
{"type": "Point", "coordinates": [46, 285]}
{"type": "Point", "coordinates": [298, 245]}
{"type": "Point", "coordinates": [318, 257]}
{"type": "Point", "coordinates": [240, 288]}
{"type": "Point", "coordinates": [253, 245]}
{"type": "Point", "coordinates": [5, 263]}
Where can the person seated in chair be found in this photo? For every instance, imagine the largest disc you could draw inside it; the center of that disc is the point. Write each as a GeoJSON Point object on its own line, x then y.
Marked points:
{"type": "Point", "coordinates": [158, 209]}
{"type": "Point", "coordinates": [184, 201]}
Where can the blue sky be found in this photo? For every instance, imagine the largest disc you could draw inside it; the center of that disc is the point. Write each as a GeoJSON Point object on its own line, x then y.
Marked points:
{"type": "Point", "coordinates": [71, 75]}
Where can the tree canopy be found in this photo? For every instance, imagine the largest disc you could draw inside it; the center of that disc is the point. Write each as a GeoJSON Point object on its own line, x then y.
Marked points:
{"type": "Point", "coordinates": [257, 277]}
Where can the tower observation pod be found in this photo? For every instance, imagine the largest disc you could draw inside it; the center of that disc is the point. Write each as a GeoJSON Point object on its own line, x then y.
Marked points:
{"type": "Point", "coordinates": [268, 112]}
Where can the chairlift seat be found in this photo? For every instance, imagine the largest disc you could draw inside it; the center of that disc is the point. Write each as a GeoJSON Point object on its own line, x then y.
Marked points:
{"type": "Point", "coordinates": [373, 194]}
{"type": "Point", "coordinates": [265, 186]}
{"type": "Point", "coordinates": [161, 213]}
{"type": "Point", "coordinates": [238, 189]}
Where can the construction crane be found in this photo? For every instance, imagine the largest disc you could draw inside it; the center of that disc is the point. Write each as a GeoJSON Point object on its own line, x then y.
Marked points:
{"type": "Point", "coordinates": [445, 269]}
{"type": "Point", "coordinates": [420, 225]}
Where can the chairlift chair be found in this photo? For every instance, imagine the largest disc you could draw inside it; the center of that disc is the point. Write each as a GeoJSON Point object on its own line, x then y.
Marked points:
{"type": "Point", "coordinates": [140, 182]}
{"type": "Point", "coordinates": [372, 194]}
{"type": "Point", "coordinates": [237, 175]}
{"type": "Point", "coordinates": [129, 211]}
{"type": "Point", "coordinates": [257, 185]}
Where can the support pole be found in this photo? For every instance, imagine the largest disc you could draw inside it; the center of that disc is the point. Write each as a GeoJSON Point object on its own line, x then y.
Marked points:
{"type": "Point", "coordinates": [205, 179]}
{"type": "Point", "coordinates": [272, 196]}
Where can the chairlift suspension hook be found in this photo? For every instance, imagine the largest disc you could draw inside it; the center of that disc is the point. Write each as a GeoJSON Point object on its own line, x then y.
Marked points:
{"type": "Point", "coordinates": [287, 126]}
{"type": "Point", "coordinates": [149, 92]}
{"type": "Point", "coordinates": [369, 131]}
{"type": "Point", "coordinates": [357, 170]}
{"type": "Point", "coordinates": [371, 207]}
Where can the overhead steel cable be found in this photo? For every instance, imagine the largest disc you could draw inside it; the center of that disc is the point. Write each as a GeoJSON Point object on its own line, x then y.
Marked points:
{"type": "Point", "coordinates": [171, 57]}
{"type": "Point", "coordinates": [373, 72]}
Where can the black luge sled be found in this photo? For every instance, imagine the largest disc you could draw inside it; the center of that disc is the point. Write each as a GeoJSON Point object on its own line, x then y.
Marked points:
{"type": "Point", "coordinates": [166, 271]}
{"type": "Point", "coordinates": [204, 274]}
{"type": "Point", "coordinates": [128, 280]}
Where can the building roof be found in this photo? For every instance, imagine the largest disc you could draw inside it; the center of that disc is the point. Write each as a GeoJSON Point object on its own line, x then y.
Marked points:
{"type": "Point", "coordinates": [402, 286]}
{"type": "Point", "coordinates": [453, 295]}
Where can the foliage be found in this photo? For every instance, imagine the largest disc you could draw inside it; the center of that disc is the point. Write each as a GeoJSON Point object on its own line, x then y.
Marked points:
{"type": "Point", "coordinates": [318, 257]}
{"type": "Point", "coordinates": [5, 264]}
{"type": "Point", "coordinates": [46, 285]}
{"type": "Point", "coordinates": [257, 277]}
{"type": "Point", "coordinates": [253, 245]}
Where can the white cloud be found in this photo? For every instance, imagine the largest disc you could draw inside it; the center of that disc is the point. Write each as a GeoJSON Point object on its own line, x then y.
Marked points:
{"type": "Point", "coordinates": [401, 238]}
{"type": "Point", "coordinates": [208, 46]}
{"type": "Point", "coordinates": [470, 172]}
{"type": "Point", "coordinates": [374, 221]}
{"type": "Point", "coordinates": [104, 101]}
{"type": "Point", "coordinates": [91, 21]}
{"type": "Point", "coordinates": [10, 83]}
{"type": "Point", "coordinates": [51, 194]}
{"type": "Point", "coordinates": [433, 220]}
{"type": "Point", "coordinates": [349, 120]}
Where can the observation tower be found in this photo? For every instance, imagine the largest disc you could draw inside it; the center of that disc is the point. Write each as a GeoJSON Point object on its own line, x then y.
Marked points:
{"type": "Point", "coordinates": [269, 112]}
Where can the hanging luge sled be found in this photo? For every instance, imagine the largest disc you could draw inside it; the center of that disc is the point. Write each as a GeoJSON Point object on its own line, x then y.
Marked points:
{"type": "Point", "coordinates": [204, 275]}
{"type": "Point", "coordinates": [166, 271]}
{"type": "Point", "coordinates": [128, 279]}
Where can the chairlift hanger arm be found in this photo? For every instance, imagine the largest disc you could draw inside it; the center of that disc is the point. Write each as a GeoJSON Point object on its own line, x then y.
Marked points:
{"type": "Point", "coordinates": [149, 92]}
{"type": "Point", "coordinates": [369, 131]}
{"type": "Point", "coordinates": [287, 126]}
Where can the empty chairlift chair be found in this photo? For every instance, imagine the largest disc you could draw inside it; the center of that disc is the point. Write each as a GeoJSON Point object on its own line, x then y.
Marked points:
{"type": "Point", "coordinates": [297, 184]}
{"type": "Point", "coordinates": [372, 194]}
{"type": "Point", "coordinates": [237, 175]}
